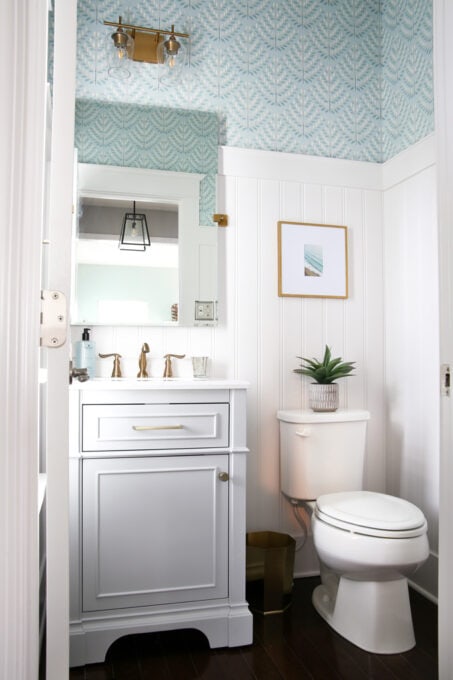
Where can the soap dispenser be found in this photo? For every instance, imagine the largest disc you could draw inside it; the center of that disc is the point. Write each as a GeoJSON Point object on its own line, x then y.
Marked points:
{"type": "Point", "coordinates": [85, 355]}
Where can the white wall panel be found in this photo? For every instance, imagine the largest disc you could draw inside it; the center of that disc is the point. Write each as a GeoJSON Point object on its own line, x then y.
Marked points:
{"type": "Point", "coordinates": [373, 328]}
{"type": "Point", "coordinates": [268, 347]}
{"type": "Point", "coordinates": [291, 310]}
{"type": "Point", "coordinates": [225, 333]}
{"type": "Point", "coordinates": [412, 341]}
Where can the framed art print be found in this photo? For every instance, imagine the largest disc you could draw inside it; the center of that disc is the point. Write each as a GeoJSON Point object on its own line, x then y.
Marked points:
{"type": "Point", "coordinates": [312, 260]}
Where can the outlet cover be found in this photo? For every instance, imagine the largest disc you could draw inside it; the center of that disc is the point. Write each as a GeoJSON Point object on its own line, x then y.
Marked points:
{"type": "Point", "coordinates": [204, 310]}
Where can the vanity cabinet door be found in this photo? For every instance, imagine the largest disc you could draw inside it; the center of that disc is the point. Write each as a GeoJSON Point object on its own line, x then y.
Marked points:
{"type": "Point", "coordinates": [155, 530]}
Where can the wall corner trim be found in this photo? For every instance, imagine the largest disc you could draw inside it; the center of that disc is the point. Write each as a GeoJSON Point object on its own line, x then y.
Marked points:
{"type": "Point", "coordinates": [409, 162]}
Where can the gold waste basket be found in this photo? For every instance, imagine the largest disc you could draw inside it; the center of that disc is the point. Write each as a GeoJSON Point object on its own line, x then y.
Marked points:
{"type": "Point", "coordinates": [269, 575]}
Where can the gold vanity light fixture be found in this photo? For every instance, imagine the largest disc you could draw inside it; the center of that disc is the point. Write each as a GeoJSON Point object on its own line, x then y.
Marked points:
{"type": "Point", "coordinates": [134, 232]}
{"type": "Point", "coordinates": [150, 45]}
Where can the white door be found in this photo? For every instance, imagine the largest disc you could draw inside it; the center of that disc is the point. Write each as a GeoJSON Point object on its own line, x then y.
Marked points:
{"type": "Point", "coordinates": [59, 278]}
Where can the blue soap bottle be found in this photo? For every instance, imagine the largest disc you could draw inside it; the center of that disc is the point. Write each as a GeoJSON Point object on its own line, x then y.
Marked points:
{"type": "Point", "coordinates": [85, 354]}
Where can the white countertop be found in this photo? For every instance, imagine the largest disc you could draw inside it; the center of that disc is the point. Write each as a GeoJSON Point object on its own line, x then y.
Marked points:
{"type": "Point", "coordinates": [158, 384]}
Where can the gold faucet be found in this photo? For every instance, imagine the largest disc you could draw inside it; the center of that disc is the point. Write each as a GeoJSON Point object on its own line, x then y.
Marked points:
{"type": "Point", "coordinates": [143, 373]}
{"type": "Point", "coordinates": [168, 371]}
{"type": "Point", "coordinates": [116, 372]}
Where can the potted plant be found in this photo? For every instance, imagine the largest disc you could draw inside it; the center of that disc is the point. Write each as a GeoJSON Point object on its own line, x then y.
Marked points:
{"type": "Point", "coordinates": [324, 390]}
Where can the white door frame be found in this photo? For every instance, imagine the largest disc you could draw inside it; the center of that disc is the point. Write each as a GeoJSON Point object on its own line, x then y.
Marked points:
{"type": "Point", "coordinates": [23, 50]}
{"type": "Point", "coordinates": [60, 227]}
{"type": "Point", "coordinates": [443, 72]}
{"type": "Point", "coordinates": [22, 115]}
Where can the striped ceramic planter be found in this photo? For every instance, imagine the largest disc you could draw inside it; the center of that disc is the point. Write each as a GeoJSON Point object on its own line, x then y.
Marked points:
{"type": "Point", "coordinates": [323, 397]}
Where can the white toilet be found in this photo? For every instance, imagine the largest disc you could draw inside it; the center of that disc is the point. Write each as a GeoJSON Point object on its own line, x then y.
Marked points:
{"type": "Point", "coordinates": [367, 543]}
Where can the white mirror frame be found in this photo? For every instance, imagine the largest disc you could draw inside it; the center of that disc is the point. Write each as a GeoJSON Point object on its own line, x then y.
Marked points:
{"type": "Point", "coordinates": [181, 188]}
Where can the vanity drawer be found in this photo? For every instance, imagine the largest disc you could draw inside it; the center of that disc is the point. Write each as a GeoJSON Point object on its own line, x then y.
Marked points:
{"type": "Point", "coordinates": [135, 427]}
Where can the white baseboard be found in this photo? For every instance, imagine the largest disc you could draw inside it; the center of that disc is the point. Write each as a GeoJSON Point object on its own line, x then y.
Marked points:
{"type": "Point", "coordinates": [306, 574]}
{"type": "Point", "coordinates": [425, 580]}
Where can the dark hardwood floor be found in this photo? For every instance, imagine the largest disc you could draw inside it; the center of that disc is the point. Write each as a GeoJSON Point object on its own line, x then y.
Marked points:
{"type": "Point", "coordinates": [295, 645]}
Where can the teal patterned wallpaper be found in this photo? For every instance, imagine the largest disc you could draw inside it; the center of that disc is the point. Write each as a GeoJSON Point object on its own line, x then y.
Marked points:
{"type": "Point", "coordinates": [407, 73]}
{"type": "Point", "coordinates": [336, 78]}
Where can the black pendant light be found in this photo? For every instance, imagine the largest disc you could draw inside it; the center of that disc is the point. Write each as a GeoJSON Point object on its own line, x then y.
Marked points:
{"type": "Point", "coordinates": [134, 232]}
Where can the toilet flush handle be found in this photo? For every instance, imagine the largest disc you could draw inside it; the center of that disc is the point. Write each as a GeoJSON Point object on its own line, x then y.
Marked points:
{"type": "Point", "coordinates": [306, 432]}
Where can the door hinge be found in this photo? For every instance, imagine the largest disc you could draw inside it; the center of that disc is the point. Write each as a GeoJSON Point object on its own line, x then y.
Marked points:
{"type": "Point", "coordinates": [53, 318]}
{"type": "Point", "coordinates": [445, 380]}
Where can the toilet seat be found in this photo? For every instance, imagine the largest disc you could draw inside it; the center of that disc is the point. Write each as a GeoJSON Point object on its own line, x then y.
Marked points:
{"type": "Point", "coordinates": [371, 514]}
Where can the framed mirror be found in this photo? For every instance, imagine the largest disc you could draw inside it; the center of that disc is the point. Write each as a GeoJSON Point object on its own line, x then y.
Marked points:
{"type": "Point", "coordinates": [173, 281]}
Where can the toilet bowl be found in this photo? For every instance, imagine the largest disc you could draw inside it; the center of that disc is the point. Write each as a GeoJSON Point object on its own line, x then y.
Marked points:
{"type": "Point", "coordinates": [368, 544]}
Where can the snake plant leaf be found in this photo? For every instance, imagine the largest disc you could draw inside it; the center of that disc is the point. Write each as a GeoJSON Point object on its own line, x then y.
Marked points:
{"type": "Point", "coordinates": [327, 370]}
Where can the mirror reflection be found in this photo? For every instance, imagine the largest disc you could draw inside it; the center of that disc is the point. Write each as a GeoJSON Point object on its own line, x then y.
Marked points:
{"type": "Point", "coordinates": [114, 283]}
{"type": "Point", "coordinates": [171, 281]}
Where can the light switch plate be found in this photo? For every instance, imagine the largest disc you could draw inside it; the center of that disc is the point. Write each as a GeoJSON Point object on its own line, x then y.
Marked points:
{"type": "Point", "coordinates": [204, 310]}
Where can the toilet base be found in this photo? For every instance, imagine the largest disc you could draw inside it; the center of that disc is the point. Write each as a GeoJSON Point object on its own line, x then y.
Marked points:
{"type": "Point", "coordinates": [374, 615]}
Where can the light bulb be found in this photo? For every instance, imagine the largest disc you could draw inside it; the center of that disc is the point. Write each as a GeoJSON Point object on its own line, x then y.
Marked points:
{"type": "Point", "coordinates": [121, 52]}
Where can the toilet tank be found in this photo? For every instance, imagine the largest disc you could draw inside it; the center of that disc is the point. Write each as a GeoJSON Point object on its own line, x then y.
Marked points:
{"type": "Point", "coordinates": [321, 452]}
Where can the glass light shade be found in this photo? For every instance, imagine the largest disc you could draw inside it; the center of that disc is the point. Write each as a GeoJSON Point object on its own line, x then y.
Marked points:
{"type": "Point", "coordinates": [171, 59]}
{"type": "Point", "coordinates": [134, 232]}
{"type": "Point", "coordinates": [120, 51]}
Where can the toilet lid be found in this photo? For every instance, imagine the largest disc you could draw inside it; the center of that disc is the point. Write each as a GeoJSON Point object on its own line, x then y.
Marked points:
{"type": "Point", "coordinates": [370, 513]}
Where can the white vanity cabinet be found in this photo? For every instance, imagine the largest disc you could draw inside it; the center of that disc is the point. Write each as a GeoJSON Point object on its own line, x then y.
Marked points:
{"type": "Point", "coordinates": [157, 512]}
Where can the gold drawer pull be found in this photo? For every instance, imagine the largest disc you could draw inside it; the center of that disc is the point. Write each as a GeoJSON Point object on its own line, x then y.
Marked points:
{"type": "Point", "coordinates": [224, 476]}
{"type": "Point", "coordinates": [140, 428]}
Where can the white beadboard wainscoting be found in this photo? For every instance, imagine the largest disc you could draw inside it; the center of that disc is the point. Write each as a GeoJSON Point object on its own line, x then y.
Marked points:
{"type": "Point", "coordinates": [411, 302]}
{"type": "Point", "coordinates": [264, 333]}
{"type": "Point", "coordinates": [260, 334]}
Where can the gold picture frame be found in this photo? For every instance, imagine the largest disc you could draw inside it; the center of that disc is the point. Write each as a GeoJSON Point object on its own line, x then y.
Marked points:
{"type": "Point", "coordinates": [312, 260]}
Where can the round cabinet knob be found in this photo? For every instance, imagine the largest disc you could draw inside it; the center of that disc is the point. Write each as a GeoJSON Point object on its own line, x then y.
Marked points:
{"type": "Point", "coordinates": [224, 476]}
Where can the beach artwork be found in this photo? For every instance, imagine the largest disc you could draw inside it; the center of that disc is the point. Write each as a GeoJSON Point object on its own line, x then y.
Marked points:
{"type": "Point", "coordinates": [313, 262]}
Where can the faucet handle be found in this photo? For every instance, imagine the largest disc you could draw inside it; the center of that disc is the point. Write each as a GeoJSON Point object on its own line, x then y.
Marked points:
{"type": "Point", "coordinates": [142, 362]}
{"type": "Point", "coordinates": [116, 371]}
{"type": "Point", "coordinates": [168, 371]}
